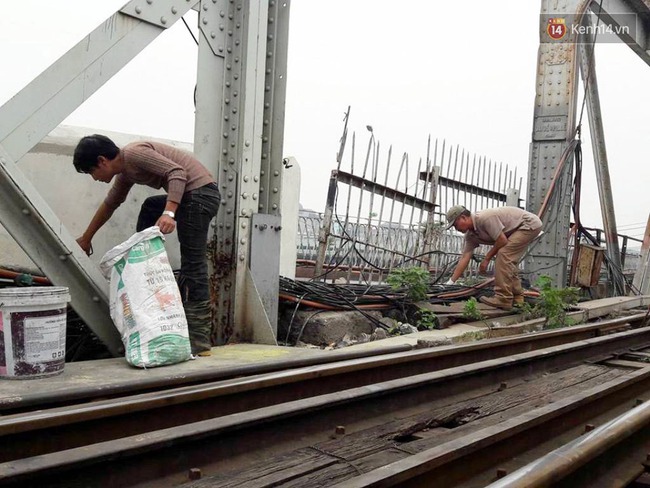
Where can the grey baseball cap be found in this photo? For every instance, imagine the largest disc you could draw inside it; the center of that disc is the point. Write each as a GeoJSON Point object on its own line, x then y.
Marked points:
{"type": "Point", "coordinates": [453, 213]}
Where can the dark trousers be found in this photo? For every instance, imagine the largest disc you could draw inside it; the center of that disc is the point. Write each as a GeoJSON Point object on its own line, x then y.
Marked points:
{"type": "Point", "coordinates": [193, 216]}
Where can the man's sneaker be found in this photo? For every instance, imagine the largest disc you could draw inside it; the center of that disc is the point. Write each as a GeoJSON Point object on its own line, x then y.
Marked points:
{"type": "Point", "coordinates": [497, 302]}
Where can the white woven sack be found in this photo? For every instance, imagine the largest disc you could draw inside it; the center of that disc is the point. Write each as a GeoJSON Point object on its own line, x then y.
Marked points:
{"type": "Point", "coordinates": [145, 303]}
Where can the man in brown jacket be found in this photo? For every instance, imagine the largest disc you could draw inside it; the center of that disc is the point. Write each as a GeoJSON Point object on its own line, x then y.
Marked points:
{"type": "Point", "coordinates": [508, 230]}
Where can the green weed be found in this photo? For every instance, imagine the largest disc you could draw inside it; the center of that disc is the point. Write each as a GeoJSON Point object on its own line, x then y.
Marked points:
{"type": "Point", "coordinates": [471, 311]}
{"type": "Point", "coordinates": [414, 280]}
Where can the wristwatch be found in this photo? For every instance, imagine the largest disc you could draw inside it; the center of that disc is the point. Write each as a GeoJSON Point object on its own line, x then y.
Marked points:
{"type": "Point", "coordinates": [169, 213]}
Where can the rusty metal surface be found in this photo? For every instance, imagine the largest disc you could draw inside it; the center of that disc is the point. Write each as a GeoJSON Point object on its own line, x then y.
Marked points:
{"type": "Point", "coordinates": [188, 437]}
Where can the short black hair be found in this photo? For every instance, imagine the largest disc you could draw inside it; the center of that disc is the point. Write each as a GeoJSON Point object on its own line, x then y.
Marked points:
{"type": "Point", "coordinates": [89, 149]}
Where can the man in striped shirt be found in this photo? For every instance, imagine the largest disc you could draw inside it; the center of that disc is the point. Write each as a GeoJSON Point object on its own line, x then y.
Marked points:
{"type": "Point", "coordinates": [192, 200]}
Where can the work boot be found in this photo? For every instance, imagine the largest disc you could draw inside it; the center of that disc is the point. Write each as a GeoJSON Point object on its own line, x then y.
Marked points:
{"type": "Point", "coordinates": [497, 302]}
{"type": "Point", "coordinates": [199, 326]}
{"type": "Point", "coordinates": [518, 300]}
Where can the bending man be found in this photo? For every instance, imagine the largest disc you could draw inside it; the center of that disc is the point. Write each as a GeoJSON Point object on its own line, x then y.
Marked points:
{"type": "Point", "coordinates": [191, 202]}
{"type": "Point", "coordinates": [509, 230]}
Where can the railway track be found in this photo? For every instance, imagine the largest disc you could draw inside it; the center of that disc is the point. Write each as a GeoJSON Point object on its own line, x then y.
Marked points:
{"type": "Point", "coordinates": [362, 422]}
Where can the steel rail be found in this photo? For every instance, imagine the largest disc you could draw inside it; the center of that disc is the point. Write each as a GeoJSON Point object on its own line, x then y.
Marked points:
{"type": "Point", "coordinates": [563, 462]}
{"type": "Point", "coordinates": [473, 450]}
{"type": "Point", "coordinates": [158, 451]}
{"type": "Point", "coordinates": [297, 383]}
{"type": "Point", "coordinates": [392, 362]}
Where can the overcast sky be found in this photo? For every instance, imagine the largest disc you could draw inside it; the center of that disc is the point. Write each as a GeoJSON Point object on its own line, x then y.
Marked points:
{"type": "Point", "coordinates": [460, 71]}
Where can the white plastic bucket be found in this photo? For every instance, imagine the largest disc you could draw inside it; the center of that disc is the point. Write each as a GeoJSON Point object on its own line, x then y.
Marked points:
{"type": "Point", "coordinates": [32, 331]}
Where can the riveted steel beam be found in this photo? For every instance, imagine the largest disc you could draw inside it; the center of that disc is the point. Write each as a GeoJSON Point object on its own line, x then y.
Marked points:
{"type": "Point", "coordinates": [549, 165]}
{"type": "Point", "coordinates": [45, 102]}
{"type": "Point", "coordinates": [239, 128]}
{"type": "Point", "coordinates": [31, 222]}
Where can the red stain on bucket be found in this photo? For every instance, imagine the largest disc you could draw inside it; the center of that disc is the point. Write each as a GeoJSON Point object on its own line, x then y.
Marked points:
{"type": "Point", "coordinates": [32, 331]}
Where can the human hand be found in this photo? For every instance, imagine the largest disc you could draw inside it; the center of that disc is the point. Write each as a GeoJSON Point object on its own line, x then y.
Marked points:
{"type": "Point", "coordinates": [166, 224]}
{"type": "Point", "coordinates": [482, 268]}
{"type": "Point", "coordinates": [86, 245]}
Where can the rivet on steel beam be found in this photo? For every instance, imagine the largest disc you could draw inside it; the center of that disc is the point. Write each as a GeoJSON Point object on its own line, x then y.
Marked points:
{"type": "Point", "coordinates": [213, 34]}
{"type": "Point", "coordinates": [223, 202]}
{"type": "Point", "coordinates": [138, 10]}
{"type": "Point", "coordinates": [232, 144]}
{"type": "Point", "coordinates": [234, 110]}
{"type": "Point", "coordinates": [247, 143]}
{"type": "Point", "coordinates": [63, 257]}
{"type": "Point", "coordinates": [275, 206]}
{"type": "Point", "coordinates": [229, 49]}
{"type": "Point", "coordinates": [149, 2]}
{"type": "Point", "coordinates": [589, 427]}
{"type": "Point", "coordinates": [226, 118]}
{"type": "Point", "coordinates": [254, 196]}
{"type": "Point", "coordinates": [224, 151]}
{"type": "Point", "coordinates": [205, 21]}
{"type": "Point", "coordinates": [340, 430]}
{"type": "Point", "coordinates": [246, 178]}
{"type": "Point", "coordinates": [275, 190]}
{"type": "Point", "coordinates": [244, 225]}
{"type": "Point", "coordinates": [244, 212]}
{"type": "Point", "coordinates": [230, 33]}
{"type": "Point", "coordinates": [222, 14]}
{"type": "Point", "coordinates": [256, 178]}
{"type": "Point", "coordinates": [220, 49]}
{"type": "Point", "coordinates": [229, 194]}
{"type": "Point", "coordinates": [231, 160]}
{"type": "Point", "coordinates": [228, 225]}
{"type": "Point", "coordinates": [224, 186]}
{"type": "Point", "coordinates": [235, 76]}
{"type": "Point", "coordinates": [261, 189]}
{"type": "Point", "coordinates": [244, 195]}
{"type": "Point", "coordinates": [264, 156]}
{"type": "Point", "coordinates": [174, 10]}
{"type": "Point", "coordinates": [231, 177]}
{"type": "Point", "coordinates": [229, 211]}
{"type": "Point", "coordinates": [230, 16]}
{"type": "Point", "coordinates": [163, 20]}
{"type": "Point", "coordinates": [238, 25]}
{"type": "Point", "coordinates": [262, 173]}
{"type": "Point", "coordinates": [261, 206]}
{"type": "Point", "coordinates": [271, 20]}
{"type": "Point", "coordinates": [95, 299]}
{"type": "Point", "coordinates": [26, 211]}
{"type": "Point", "coordinates": [228, 66]}
{"type": "Point", "coordinates": [242, 241]}
{"type": "Point", "coordinates": [237, 42]}
{"type": "Point", "coordinates": [221, 27]}
{"type": "Point", "coordinates": [276, 173]}
{"type": "Point", "coordinates": [239, 6]}
{"type": "Point", "coordinates": [501, 473]}
{"type": "Point", "coordinates": [242, 257]}
{"type": "Point", "coordinates": [194, 474]}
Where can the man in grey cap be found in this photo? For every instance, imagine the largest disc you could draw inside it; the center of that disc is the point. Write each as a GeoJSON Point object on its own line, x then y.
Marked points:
{"type": "Point", "coordinates": [508, 230]}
